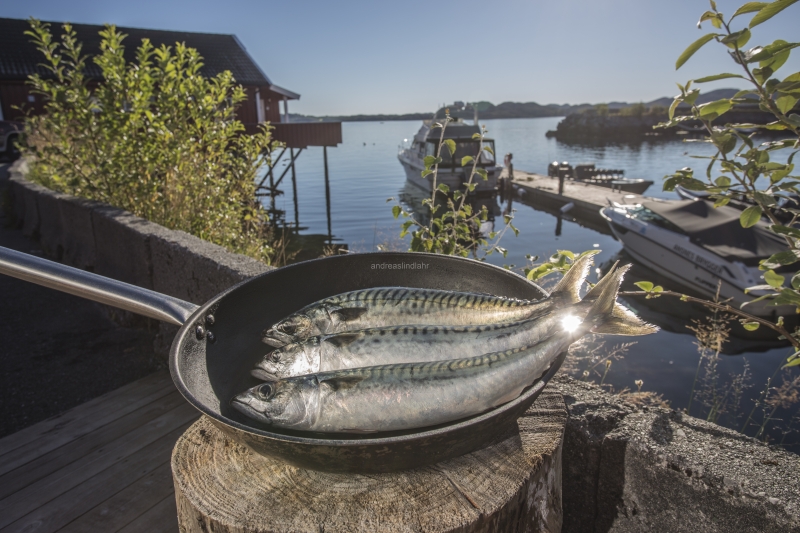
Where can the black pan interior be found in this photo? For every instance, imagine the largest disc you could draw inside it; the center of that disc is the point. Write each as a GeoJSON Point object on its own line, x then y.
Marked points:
{"type": "Point", "coordinates": [210, 374]}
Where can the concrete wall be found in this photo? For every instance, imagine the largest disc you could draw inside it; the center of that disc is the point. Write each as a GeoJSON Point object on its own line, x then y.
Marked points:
{"type": "Point", "coordinates": [625, 469]}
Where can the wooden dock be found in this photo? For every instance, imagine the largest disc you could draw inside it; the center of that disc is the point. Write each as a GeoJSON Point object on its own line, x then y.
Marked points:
{"type": "Point", "coordinates": [541, 192]}
{"type": "Point", "coordinates": [102, 466]}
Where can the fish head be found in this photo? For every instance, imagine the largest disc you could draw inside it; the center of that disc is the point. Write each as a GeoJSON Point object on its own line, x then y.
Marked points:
{"type": "Point", "coordinates": [279, 403]}
{"type": "Point", "coordinates": [299, 326]}
{"type": "Point", "coordinates": [295, 359]}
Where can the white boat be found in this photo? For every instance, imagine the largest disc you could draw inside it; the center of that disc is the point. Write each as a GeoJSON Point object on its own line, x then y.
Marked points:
{"type": "Point", "coordinates": [451, 173]}
{"type": "Point", "coordinates": [699, 246]}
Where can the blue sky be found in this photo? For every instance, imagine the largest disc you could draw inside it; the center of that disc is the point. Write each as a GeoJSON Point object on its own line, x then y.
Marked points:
{"type": "Point", "coordinates": [353, 57]}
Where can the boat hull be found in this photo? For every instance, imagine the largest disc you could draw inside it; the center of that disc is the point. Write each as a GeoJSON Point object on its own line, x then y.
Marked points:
{"type": "Point", "coordinates": [635, 186]}
{"type": "Point", "coordinates": [687, 265]}
{"type": "Point", "coordinates": [453, 179]}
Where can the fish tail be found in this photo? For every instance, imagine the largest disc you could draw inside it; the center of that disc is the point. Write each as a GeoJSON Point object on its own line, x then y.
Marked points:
{"type": "Point", "coordinates": [603, 283]}
{"type": "Point", "coordinates": [568, 289]}
{"type": "Point", "coordinates": [610, 318]}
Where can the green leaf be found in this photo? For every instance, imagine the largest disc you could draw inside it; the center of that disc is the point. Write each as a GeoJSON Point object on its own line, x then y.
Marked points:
{"type": "Point", "coordinates": [429, 160]}
{"type": "Point", "coordinates": [482, 173]}
{"type": "Point", "coordinates": [722, 201]}
{"type": "Point", "coordinates": [769, 11]}
{"type": "Point", "coordinates": [396, 211]}
{"type": "Point", "coordinates": [750, 216]}
{"type": "Point", "coordinates": [750, 326]}
{"type": "Point", "coordinates": [787, 257]}
{"type": "Point", "coordinates": [467, 159]}
{"type": "Point", "coordinates": [646, 286]}
{"type": "Point", "coordinates": [426, 172]}
{"type": "Point", "coordinates": [736, 39]}
{"type": "Point", "coordinates": [765, 53]}
{"type": "Point", "coordinates": [786, 230]}
{"type": "Point", "coordinates": [476, 136]}
{"type": "Point", "coordinates": [773, 280]}
{"type": "Point", "coordinates": [694, 47]}
{"type": "Point", "coordinates": [443, 188]}
{"type": "Point", "coordinates": [489, 149]}
{"type": "Point", "coordinates": [749, 7]}
{"type": "Point", "coordinates": [764, 199]}
{"type": "Point", "coordinates": [451, 145]}
{"type": "Point", "coordinates": [718, 77]}
{"type": "Point", "coordinates": [786, 103]}
{"type": "Point", "coordinates": [675, 103]}
{"type": "Point", "coordinates": [716, 108]}
{"type": "Point", "coordinates": [567, 253]}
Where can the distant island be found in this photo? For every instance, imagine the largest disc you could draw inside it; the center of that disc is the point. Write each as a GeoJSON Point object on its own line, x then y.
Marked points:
{"type": "Point", "coordinates": [488, 110]}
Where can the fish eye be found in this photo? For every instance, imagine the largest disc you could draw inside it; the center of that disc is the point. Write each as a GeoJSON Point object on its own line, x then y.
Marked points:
{"type": "Point", "coordinates": [265, 391]}
{"type": "Point", "coordinates": [275, 356]}
{"type": "Point", "coordinates": [288, 328]}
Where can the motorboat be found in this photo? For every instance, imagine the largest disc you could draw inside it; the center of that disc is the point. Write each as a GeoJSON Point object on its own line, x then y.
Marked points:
{"type": "Point", "coordinates": [742, 202]}
{"type": "Point", "coordinates": [450, 172]}
{"type": "Point", "coordinates": [699, 246]}
{"type": "Point", "coordinates": [602, 177]}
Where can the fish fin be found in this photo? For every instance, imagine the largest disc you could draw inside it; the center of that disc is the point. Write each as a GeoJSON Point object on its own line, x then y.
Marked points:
{"type": "Point", "coordinates": [609, 317]}
{"type": "Point", "coordinates": [349, 313]}
{"type": "Point", "coordinates": [603, 307]}
{"type": "Point", "coordinates": [624, 322]}
{"type": "Point", "coordinates": [569, 288]}
{"type": "Point", "coordinates": [601, 284]}
{"type": "Point", "coordinates": [341, 340]}
{"type": "Point", "coordinates": [336, 383]}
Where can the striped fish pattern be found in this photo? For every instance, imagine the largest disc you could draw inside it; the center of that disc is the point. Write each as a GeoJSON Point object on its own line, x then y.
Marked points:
{"type": "Point", "coordinates": [413, 395]}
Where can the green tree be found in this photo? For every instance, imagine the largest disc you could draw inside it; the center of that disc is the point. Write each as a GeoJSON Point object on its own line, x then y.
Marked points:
{"type": "Point", "coordinates": [153, 137]}
{"type": "Point", "coordinates": [743, 165]}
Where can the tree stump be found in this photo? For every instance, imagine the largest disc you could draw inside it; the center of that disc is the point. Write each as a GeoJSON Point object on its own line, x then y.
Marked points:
{"type": "Point", "coordinates": [513, 485]}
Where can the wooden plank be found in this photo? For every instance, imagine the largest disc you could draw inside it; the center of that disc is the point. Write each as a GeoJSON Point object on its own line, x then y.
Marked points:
{"type": "Point", "coordinates": [126, 505]}
{"type": "Point", "coordinates": [46, 464]}
{"type": "Point", "coordinates": [68, 506]}
{"type": "Point", "coordinates": [162, 518]}
{"type": "Point", "coordinates": [81, 419]}
{"type": "Point", "coordinates": [39, 493]}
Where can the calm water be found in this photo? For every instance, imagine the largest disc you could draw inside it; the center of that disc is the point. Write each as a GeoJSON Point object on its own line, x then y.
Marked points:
{"type": "Point", "coordinates": [364, 172]}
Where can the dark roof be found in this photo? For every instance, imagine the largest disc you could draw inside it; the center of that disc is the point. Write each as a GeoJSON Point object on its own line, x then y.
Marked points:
{"type": "Point", "coordinates": [19, 57]}
{"type": "Point", "coordinates": [719, 230]}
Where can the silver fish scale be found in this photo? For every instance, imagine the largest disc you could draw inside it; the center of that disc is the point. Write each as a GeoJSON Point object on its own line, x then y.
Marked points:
{"type": "Point", "coordinates": [425, 297]}
{"type": "Point", "coordinates": [388, 397]}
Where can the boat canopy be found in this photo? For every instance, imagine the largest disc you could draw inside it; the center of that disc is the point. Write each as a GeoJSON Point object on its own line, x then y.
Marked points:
{"type": "Point", "coordinates": [454, 130]}
{"type": "Point", "coordinates": [719, 230]}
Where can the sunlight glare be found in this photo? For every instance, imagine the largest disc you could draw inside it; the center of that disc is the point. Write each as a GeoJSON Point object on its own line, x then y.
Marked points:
{"type": "Point", "coordinates": [570, 323]}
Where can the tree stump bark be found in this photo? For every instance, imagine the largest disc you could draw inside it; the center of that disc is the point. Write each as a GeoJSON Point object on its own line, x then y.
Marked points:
{"type": "Point", "coordinates": [513, 485]}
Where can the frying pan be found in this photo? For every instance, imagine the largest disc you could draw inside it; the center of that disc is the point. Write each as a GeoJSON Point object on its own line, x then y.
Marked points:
{"type": "Point", "coordinates": [219, 342]}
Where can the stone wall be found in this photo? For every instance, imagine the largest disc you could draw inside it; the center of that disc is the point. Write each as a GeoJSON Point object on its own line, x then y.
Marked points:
{"type": "Point", "coordinates": [114, 243]}
{"type": "Point", "coordinates": [633, 469]}
{"type": "Point", "coordinates": [625, 468]}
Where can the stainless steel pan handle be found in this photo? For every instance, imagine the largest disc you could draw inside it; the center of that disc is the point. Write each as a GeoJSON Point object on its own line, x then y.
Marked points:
{"type": "Point", "coordinates": [95, 287]}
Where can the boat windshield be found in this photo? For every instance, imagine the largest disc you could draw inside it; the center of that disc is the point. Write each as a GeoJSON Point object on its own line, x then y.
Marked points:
{"type": "Point", "coordinates": [463, 148]}
{"type": "Point", "coordinates": [645, 215]}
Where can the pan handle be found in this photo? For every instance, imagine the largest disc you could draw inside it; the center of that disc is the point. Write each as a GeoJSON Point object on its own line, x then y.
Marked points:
{"type": "Point", "coordinates": [95, 287]}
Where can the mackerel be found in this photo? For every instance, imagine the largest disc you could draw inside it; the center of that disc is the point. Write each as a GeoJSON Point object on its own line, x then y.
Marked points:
{"type": "Point", "coordinates": [392, 306]}
{"type": "Point", "coordinates": [413, 344]}
{"type": "Point", "coordinates": [413, 395]}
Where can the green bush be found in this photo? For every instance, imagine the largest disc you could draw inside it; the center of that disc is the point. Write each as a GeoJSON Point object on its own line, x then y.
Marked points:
{"type": "Point", "coordinates": [153, 137]}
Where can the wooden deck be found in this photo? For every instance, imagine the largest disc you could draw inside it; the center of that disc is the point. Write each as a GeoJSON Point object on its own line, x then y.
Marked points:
{"type": "Point", "coordinates": [102, 466]}
{"type": "Point", "coordinates": [542, 192]}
